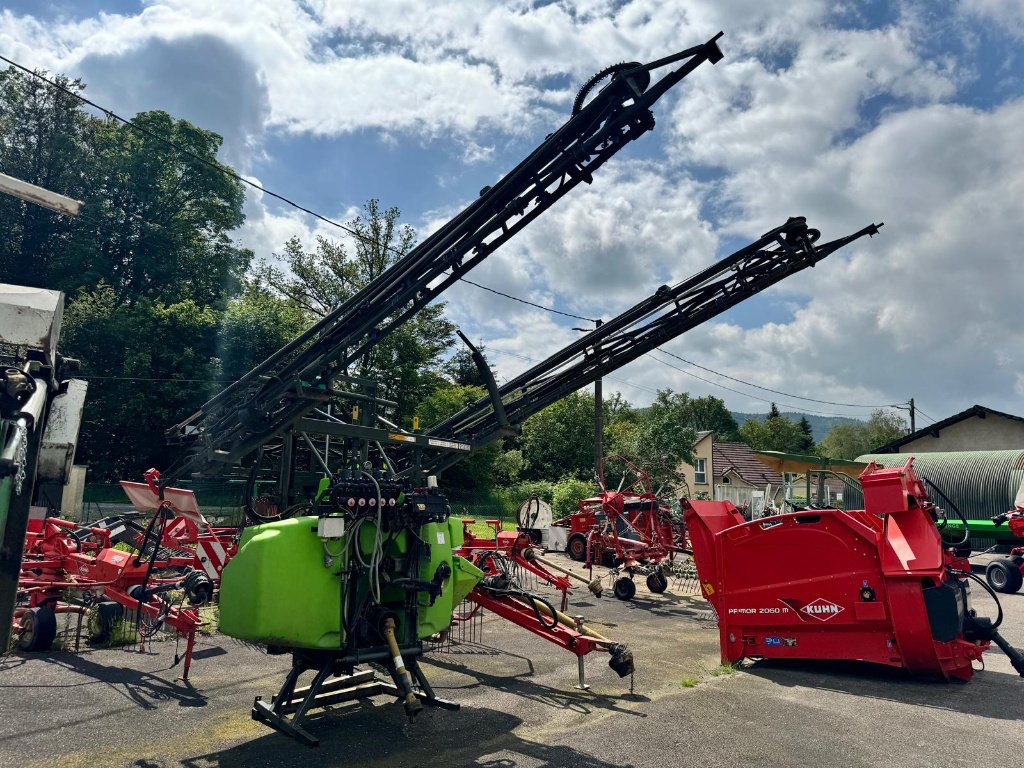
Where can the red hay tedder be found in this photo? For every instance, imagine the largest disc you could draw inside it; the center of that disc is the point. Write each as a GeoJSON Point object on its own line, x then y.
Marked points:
{"type": "Point", "coordinates": [628, 528]}
{"type": "Point", "coordinates": [875, 585]}
{"type": "Point", "coordinates": [176, 551]}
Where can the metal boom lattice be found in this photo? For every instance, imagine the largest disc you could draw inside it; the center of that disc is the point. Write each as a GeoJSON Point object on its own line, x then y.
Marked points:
{"type": "Point", "coordinates": [290, 384]}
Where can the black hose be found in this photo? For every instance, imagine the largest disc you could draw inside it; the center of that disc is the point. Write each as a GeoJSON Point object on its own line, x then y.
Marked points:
{"type": "Point", "coordinates": [955, 508]}
{"type": "Point", "coordinates": [498, 561]}
{"type": "Point", "coordinates": [999, 605]}
{"type": "Point", "coordinates": [533, 600]}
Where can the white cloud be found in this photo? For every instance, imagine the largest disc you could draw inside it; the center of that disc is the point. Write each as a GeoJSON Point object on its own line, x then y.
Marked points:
{"type": "Point", "coordinates": [811, 113]}
{"type": "Point", "coordinates": [923, 310]}
{"type": "Point", "coordinates": [1008, 13]}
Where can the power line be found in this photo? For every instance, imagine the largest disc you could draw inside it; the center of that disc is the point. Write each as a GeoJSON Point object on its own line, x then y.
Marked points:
{"type": "Point", "coordinates": [606, 376]}
{"type": "Point", "coordinates": [917, 409]}
{"type": "Point", "coordinates": [238, 177]}
{"type": "Point", "coordinates": [529, 303]}
{"type": "Point", "coordinates": [768, 389]}
{"type": "Point", "coordinates": [738, 392]}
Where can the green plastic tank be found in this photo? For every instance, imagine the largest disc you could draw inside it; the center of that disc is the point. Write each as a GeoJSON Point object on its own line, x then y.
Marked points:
{"type": "Point", "coordinates": [276, 590]}
{"type": "Point", "coordinates": [442, 538]}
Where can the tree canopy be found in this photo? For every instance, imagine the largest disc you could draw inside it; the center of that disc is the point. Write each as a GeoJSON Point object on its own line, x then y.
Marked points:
{"type": "Point", "coordinates": [848, 441]}
{"type": "Point", "coordinates": [778, 433]}
{"type": "Point", "coordinates": [148, 266]}
{"type": "Point", "coordinates": [407, 364]}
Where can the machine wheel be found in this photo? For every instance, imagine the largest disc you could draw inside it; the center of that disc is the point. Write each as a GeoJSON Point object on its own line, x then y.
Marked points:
{"type": "Point", "coordinates": [1004, 576]}
{"type": "Point", "coordinates": [656, 582]}
{"type": "Point", "coordinates": [576, 547]}
{"type": "Point", "coordinates": [624, 588]}
{"type": "Point", "coordinates": [38, 629]}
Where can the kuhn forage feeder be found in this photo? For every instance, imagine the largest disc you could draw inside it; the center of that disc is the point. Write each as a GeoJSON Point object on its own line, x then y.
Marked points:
{"type": "Point", "coordinates": [875, 585]}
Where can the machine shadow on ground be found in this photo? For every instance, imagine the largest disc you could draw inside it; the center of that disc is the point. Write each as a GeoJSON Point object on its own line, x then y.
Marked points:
{"type": "Point", "coordinates": [370, 735]}
{"type": "Point", "coordinates": [147, 690]}
{"type": "Point", "coordinates": [990, 693]}
{"type": "Point", "coordinates": [666, 604]}
{"type": "Point", "coordinates": [582, 702]}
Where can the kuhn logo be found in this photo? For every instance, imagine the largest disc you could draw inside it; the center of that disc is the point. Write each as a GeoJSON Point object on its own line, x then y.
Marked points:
{"type": "Point", "coordinates": [822, 609]}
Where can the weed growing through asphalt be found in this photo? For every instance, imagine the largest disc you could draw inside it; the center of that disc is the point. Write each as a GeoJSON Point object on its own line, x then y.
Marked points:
{"type": "Point", "coordinates": [720, 671]}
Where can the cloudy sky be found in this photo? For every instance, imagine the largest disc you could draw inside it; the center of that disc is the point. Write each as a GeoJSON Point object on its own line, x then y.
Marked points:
{"type": "Point", "coordinates": [848, 113]}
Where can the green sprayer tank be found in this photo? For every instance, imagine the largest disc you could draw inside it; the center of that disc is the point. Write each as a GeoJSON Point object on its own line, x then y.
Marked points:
{"type": "Point", "coordinates": [288, 587]}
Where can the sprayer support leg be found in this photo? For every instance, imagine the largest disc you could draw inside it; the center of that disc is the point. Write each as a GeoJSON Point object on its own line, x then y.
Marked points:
{"type": "Point", "coordinates": [581, 666]}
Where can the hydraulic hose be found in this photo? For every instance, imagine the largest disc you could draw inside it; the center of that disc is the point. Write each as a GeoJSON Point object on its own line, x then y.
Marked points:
{"type": "Point", "coordinates": [402, 676]}
{"type": "Point", "coordinates": [955, 508]}
{"type": "Point", "coordinates": [987, 629]}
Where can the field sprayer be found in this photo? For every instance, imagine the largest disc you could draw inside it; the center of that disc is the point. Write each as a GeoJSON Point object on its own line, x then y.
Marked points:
{"type": "Point", "coordinates": [359, 560]}
{"type": "Point", "coordinates": [627, 527]}
{"type": "Point", "coordinates": [366, 567]}
{"type": "Point", "coordinates": [876, 585]}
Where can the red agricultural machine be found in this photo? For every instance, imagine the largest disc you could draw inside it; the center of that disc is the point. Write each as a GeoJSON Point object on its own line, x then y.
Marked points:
{"type": "Point", "coordinates": [70, 568]}
{"type": "Point", "coordinates": [628, 528]}
{"type": "Point", "coordinates": [358, 560]}
{"type": "Point", "coordinates": [875, 585]}
{"type": "Point", "coordinates": [1007, 574]}
{"type": "Point", "coordinates": [509, 561]}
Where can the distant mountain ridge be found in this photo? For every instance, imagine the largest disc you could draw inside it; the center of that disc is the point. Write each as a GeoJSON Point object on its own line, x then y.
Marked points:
{"type": "Point", "coordinates": [820, 425]}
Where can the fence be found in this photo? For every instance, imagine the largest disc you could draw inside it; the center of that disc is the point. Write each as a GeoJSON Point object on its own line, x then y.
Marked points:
{"type": "Point", "coordinates": [742, 497]}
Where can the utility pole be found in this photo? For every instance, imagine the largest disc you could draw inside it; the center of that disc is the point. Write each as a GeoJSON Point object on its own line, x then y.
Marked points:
{"type": "Point", "coordinates": [598, 412]}
{"type": "Point", "coordinates": [913, 428]}
{"type": "Point", "coordinates": [598, 424]}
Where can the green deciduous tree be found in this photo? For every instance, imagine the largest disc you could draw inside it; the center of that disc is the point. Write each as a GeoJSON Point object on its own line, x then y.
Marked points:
{"type": "Point", "coordinates": [148, 265]}
{"type": "Point", "coordinates": [710, 414]}
{"type": "Point", "coordinates": [44, 140]}
{"type": "Point", "coordinates": [254, 326]}
{"type": "Point", "coordinates": [406, 364]}
{"type": "Point", "coordinates": [848, 441]}
{"type": "Point", "coordinates": [664, 438]}
{"type": "Point", "coordinates": [476, 473]}
{"type": "Point", "coordinates": [148, 365]}
{"type": "Point", "coordinates": [775, 433]}
{"type": "Point", "coordinates": [155, 221]}
{"type": "Point", "coordinates": [559, 440]}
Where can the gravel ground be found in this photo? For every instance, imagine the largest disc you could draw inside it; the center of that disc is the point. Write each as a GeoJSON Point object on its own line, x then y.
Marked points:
{"type": "Point", "coordinates": [520, 708]}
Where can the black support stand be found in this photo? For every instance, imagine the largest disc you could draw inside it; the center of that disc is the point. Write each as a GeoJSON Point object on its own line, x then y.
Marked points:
{"type": "Point", "coordinates": [329, 687]}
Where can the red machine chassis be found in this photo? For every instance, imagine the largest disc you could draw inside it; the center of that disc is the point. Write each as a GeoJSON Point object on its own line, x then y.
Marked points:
{"type": "Point", "coordinates": [873, 585]}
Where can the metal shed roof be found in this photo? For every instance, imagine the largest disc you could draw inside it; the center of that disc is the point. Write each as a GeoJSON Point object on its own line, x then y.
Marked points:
{"type": "Point", "coordinates": [980, 483]}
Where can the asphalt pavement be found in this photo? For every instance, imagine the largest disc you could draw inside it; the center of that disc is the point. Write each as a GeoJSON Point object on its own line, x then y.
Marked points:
{"type": "Point", "coordinates": [520, 706]}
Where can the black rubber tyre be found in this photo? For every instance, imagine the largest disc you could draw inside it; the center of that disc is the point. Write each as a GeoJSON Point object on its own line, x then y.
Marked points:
{"type": "Point", "coordinates": [576, 547]}
{"type": "Point", "coordinates": [38, 629]}
{"type": "Point", "coordinates": [1003, 576]}
{"type": "Point", "coordinates": [657, 583]}
{"type": "Point", "coordinates": [624, 588]}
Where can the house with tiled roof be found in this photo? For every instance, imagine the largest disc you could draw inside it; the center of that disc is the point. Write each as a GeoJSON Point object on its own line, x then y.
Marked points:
{"type": "Point", "coordinates": [736, 466]}
{"type": "Point", "coordinates": [729, 471]}
{"type": "Point", "coordinates": [976, 429]}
